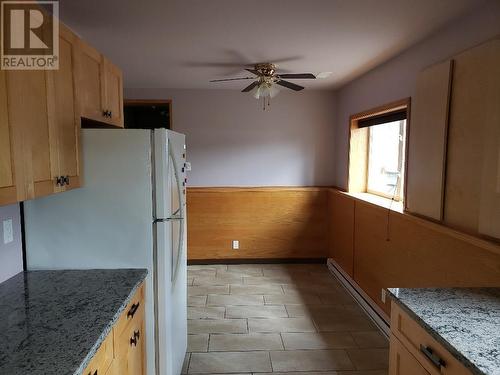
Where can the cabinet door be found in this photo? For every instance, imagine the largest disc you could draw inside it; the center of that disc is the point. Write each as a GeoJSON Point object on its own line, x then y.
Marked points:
{"type": "Point", "coordinates": [401, 362]}
{"type": "Point", "coordinates": [113, 85]}
{"type": "Point", "coordinates": [8, 192]}
{"type": "Point", "coordinates": [129, 351]}
{"type": "Point", "coordinates": [472, 200]}
{"type": "Point", "coordinates": [29, 109]}
{"type": "Point", "coordinates": [66, 114]}
{"type": "Point", "coordinates": [341, 209]}
{"type": "Point", "coordinates": [427, 148]}
{"type": "Point", "coordinates": [90, 89]}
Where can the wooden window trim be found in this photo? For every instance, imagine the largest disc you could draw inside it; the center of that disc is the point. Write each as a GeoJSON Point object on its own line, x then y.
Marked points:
{"type": "Point", "coordinates": [358, 148]}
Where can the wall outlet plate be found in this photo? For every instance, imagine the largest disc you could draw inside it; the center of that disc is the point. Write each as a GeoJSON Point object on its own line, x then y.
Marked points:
{"type": "Point", "coordinates": [8, 231]}
{"type": "Point", "coordinates": [236, 244]}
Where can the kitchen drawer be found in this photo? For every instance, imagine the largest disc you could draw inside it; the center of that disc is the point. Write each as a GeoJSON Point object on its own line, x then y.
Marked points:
{"type": "Point", "coordinates": [401, 362]}
{"type": "Point", "coordinates": [417, 341]}
{"type": "Point", "coordinates": [102, 358]}
{"type": "Point", "coordinates": [132, 312]}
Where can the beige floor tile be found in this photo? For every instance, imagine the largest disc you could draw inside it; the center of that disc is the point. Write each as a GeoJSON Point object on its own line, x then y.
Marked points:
{"type": "Point", "coordinates": [235, 300]}
{"type": "Point", "coordinates": [256, 312]}
{"type": "Point", "coordinates": [197, 343]}
{"type": "Point", "coordinates": [206, 312]}
{"type": "Point", "coordinates": [211, 289]}
{"type": "Point", "coordinates": [292, 299]}
{"type": "Point", "coordinates": [314, 310]}
{"type": "Point", "coordinates": [197, 301]}
{"type": "Point", "coordinates": [335, 298]}
{"type": "Point", "coordinates": [289, 273]}
{"type": "Point", "coordinates": [242, 272]}
{"type": "Point", "coordinates": [370, 339]}
{"type": "Point", "coordinates": [217, 326]}
{"type": "Point", "coordinates": [281, 325]}
{"type": "Point", "coordinates": [215, 280]}
{"type": "Point", "coordinates": [185, 364]}
{"type": "Point", "coordinates": [324, 340]}
{"type": "Point", "coordinates": [253, 280]}
{"type": "Point", "coordinates": [305, 288]}
{"type": "Point", "coordinates": [201, 272]}
{"type": "Point", "coordinates": [229, 362]}
{"type": "Point", "coordinates": [343, 322]}
{"type": "Point", "coordinates": [310, 360]}
{"type": "Point", "coordinates": [245, 342]}
{"type": "Point", "coordinates": [256, 289]}
{"type": "Point", "coordinates": [369, 359]}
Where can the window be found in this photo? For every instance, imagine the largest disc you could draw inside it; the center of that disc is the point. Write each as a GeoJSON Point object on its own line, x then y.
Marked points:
{"type": "Point", "coordinates": [377, 151]}
{"type": "Point", "coordinates": [386, 147]}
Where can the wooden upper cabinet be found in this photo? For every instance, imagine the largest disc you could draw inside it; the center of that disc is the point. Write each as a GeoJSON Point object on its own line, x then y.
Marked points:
{"type": "Point", "coordinates": [472, 200]}
{"type": "Point", "coordinates": [113, 87]}
{"type": "Point", "coordinates": [427, 142]}
{"type": "Point", "coordinates": [66, 113]}
{"type": "Point", "coordinates": [29, 109]}
{"type": "Point", "coordinates": [99, 87]}
{"type": "Point", "coordinates": [8, 189]}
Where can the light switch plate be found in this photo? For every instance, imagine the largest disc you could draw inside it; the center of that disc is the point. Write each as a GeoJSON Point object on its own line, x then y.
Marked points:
{"type": "Point", "coordinates": [236, 245]}
{"type": "Point", "coordinates": [8, 231]}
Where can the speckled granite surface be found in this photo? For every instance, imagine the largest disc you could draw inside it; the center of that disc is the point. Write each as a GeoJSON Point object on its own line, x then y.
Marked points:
{"type": "Point", "coordinates": [465, 320]}
{"type": "Point", "coordinates": [52, 322]}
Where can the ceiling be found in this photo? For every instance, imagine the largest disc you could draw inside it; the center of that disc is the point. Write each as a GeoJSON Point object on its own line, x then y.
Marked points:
{"type": "Point", "coordinates": [185, 43]}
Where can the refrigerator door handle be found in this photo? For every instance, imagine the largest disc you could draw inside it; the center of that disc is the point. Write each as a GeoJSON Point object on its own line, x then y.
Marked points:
{"type": "Point", "coordinates": [174, 218]}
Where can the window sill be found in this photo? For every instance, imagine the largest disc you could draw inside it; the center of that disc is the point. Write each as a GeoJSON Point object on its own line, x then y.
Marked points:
{"type": "Point", "coordinates": [379, 201]}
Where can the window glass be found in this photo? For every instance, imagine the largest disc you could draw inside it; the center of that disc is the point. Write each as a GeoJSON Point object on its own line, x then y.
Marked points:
{"type": "Point", "coordinates": [386, 159]}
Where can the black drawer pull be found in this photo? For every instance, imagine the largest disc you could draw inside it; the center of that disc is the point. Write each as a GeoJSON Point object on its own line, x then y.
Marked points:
{"type": "Point", "coordinates": [431, 356]}
{"type": "Point", "coordinates": [134, 339]}
{"type": "Point", "coordinates": [133, 310]}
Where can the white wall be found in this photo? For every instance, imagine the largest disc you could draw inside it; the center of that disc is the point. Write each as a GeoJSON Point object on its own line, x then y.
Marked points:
{"type": "Point", "coordinates": [233, 142]}
{"type": "Point", "coordinates": [11, 256]}
{"type": "Point", "coordinates": [396, 79]}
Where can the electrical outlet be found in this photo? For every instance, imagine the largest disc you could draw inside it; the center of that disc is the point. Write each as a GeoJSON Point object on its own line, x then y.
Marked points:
{"type": "Point", "coordinates": [8, 231]}
{"type": "Point", "coordinates": [236, 244]}
{"type": "Point", "coordinates": [383, 295]}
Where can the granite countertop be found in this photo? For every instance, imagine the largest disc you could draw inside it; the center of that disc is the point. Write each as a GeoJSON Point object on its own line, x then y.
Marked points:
{"type": "Point", "coordinates": [464, 320]}
{"type": "Point", "coordinates": [53, 322]}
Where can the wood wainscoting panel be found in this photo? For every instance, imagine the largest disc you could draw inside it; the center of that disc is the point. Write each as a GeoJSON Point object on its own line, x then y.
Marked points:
{"type": "Point", "coordinates": [341, 230]}
{"type": "Point", "coordinates": [270, 223]}
{"type": "Point", "coordinates": [410, 252]}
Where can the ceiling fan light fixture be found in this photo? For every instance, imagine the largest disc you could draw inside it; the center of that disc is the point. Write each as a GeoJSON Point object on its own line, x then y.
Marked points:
{"type": "Point", "coordinates": [264, 90]}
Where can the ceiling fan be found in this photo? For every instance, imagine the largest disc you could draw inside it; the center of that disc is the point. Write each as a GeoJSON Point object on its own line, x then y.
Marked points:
{"type": "Point", "coordinates": [266, 79]}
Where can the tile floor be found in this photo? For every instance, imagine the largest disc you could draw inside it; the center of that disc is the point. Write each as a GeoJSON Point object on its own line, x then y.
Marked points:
{"type": "Point", "coordinates": [278, 318]}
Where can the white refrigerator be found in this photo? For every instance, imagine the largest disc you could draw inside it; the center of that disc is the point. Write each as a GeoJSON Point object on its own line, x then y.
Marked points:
{"type": "Point", "coordinates": [130, 213]}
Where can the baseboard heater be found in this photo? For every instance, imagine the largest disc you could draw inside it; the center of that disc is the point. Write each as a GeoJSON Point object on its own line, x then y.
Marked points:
{"type": "Point", "coordinates": [376, 314]}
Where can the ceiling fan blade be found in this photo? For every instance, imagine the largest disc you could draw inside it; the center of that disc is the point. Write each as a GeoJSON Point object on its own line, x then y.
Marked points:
{"type": "Point", "coordinates": [289, 85]}
{"type": "Point", "coordinates": [231, 79]}
{"type": "Point", "coordinates": [250, 87]}
{"type": "Point", "coordinates": [297, 76]}
{"type": "Point", "coordinates": [253, 71]}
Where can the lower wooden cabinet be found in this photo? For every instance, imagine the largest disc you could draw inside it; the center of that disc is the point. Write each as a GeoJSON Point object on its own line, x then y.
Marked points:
{"type": "Point", "coordinates": [414, 351]}
{"type": "Point", "coordinates": [401, 362]}
{"type": "Point", "coordinates": [123, 352]}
